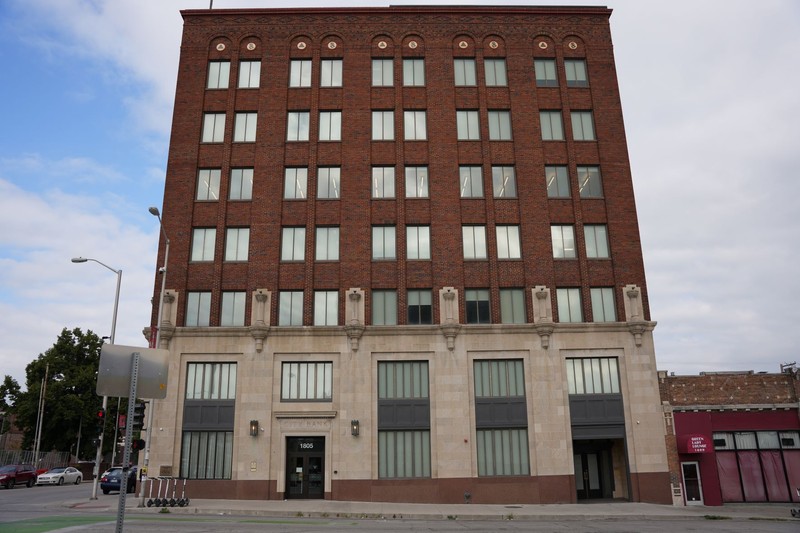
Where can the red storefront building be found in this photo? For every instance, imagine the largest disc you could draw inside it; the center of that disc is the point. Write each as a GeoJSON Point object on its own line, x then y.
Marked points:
{"type": "Point", "coordinates": [733, 436]}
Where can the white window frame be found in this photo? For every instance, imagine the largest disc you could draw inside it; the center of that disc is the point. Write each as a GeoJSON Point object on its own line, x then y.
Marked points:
{"type": "Point", "coordinates": [198, 309]}
{"type": "Point", "coordinates": [249, 74]}
{"type": "Point", "coordinates": [330, 125]}
{"type": "Point", "coordinates": [297, 126]}
{"type": "Point", "coordinates": [603, 305]}
{"type": "Point", "coordinates": [300, 73]}
{"type": "Point", "coordinates": [329, 183]}
{"type": "Point", "coordinates": [330, 73]}
{"type": "Point", "coordinates": [383, 125]}
{"type": "Point", "coordinates": [293, 243]}
{"type": "Point", "coordinates": [504, 181]}
{"type": "Point", "coordinates": [474, 242]}
{"type": "Point", "coordinates": [593, 375]}
{"type": "Point", "coordinates": [418, 243]}
{"type": "Point", "coordinates": [415, 125]}
{"type": "Point", "coordinates": [237, 244]}
{"type": "Point", "coordinates": [413, 72]}
{"type": "Point", "coordinates": [470, 181]}
{"type": "Point", "coordinates": [545, 69]}
{"type": "Point", "coordinates": [576, 71]}
{"type": "Point", "coordinates": [596, 240]}
{"type": "Point", "coordinates": [384, 243]}
{"type": "Point", "coordinates": [203, 244]}
{"type": "Point", "coordinates": [569, 304]}
{"type": "Point", "coordinates": [500, 125]}
{"type": "Point", "coordinates": [232, 309]}
{"type": "Point", "coordinates": [583, 126]}
{"type": "Point", "coordinates": [326, 308]}
{"type": "Point", "coordinates": [496, 72]}
{"type": "Point", "coordinates": [552, 125]}
{"type": "Point", "coordinates": [290, 308]}
{"type": "Point", "coordinates": [468, 125]}
{"type": "Point", "coordinates": [512, 306]}
{"type": "Point", "coordinates": [241, 184]}
{"type": "Point", "coordinates": [590, 181]}
{"type": "Point", "coordinates": [327, 243]}
{"type": "Point", "coordinates": [244, 127]}
{"type": "Point", "coordinates": [219, 73]}
{"type": "Point", "coordinates": [417, 182]}
{"type": "Point", "coordinates": [557, 180]}
{"type": "Point", "coordinates": [208, 184]}
{"type": "Point", "coordinates": [306, 381]}
{"type": "Point", "coordinates": [383, 182]}
{"type": "Point", "coordinates": [382, 72]}
{"type": "Point", "coordinates": [384, 307]}
{"type": "Point", "coordinates": [465, 72]}
{"type": "Point", "coordinates": [295, 183]}
{"type": "Point", "coordinates": [563, 239]}
{"type": "Point", "coordinates": [213, 128]}
{"type": "Point", "coordinates": [508, 242]}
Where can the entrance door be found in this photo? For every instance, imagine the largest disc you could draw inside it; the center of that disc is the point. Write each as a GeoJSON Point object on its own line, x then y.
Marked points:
{"type": "Point", "coordinates": [305, 467]}
{"type": "Point", "coordinates": [588, 478]}
{"type": "Point", "coordinates": [693, 490]}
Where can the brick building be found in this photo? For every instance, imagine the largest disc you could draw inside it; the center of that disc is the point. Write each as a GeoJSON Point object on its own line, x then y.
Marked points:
{"type": "Point", "coordinates": [733, 436]}
{"type": "Point", "coordinates": [405, 262]}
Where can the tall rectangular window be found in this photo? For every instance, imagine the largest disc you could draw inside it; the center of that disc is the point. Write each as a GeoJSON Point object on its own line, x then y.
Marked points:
{"type": "Point", "coordinates": [241, 184]}
{"type": "Point", "coordinates": [593, 375]}
{"type": "Point", "coordinates": [420, 307]}
{"type": "Point", "coordinates": [552, 128]}
{"type": "Point", "coordinates": [563, 238]}
{"type": "Point", "coordinates": [383, 182]}
{"type": "Point", "coordinates": [237, 242]}
{"type": "Point", "coordinates": [576, 72]}
{"type": "Point", "coordinates": [300, 73]}
{"type": "Point", "coordinates": [293, 244]}
{"type": "Point", "coordinates": [414, 72]}
{"type": "Point", "coordinates": [500, 125]}
{"type": "Point", "coordinates": [211, 381]}
{"type": "Point", "coordinates": [508, 243]}
{"type": "Point", "coordinates": [590, 183]}
{"type": "Point", "coordinates": [327, 244]}
{"type": "Point", "coordinates": [382, 72]}
{"type": "Point", "coordinates": [495, 72]}
{"type": "Point", "coordinates": [512, 306]}
{"type": "Point", "coordinates": [330, 73]}
{"type": "Point", "coordinates": [290, 308]}
{"type": "Point", "coordinates": [329, 182]}
{"type": "Point", "coordinates": [470, 181]}
{"type": "Point", "coordinates": [203, 240]}
{"type": "Point", "coordinates": [464, 70]}
{"type": "Point", "coordinates": [330, 125]}
{"type": "Point", "coordinates": [232, 312]}
{"type": "Point", "coordinates": [297, 123]}
{"type": "Point", "coordinates": [467, 126]}
{"type": "Point", "coordinates": [213, 127]}
{"type": "Point", "coordinates": [306, 381]}
{"type": "Point", "coordinates": [326, 308]}
{"type": "Point", "coordinates": [249, 74]}
{"type": "Point", "coordinates": [582, 126]}
{"type": "Point", "coordinates": [501, 418]}
{"type": "Point", "coordinates": [218, 74]}
{"type": "Point", "coordinates": [569, 305]}
{"type": "Point", "coordinates": [206, 454]}
{"type": "Point", "coordinates": [208, 183]}
{"type": "Point", "coordinates": [545, 72]}
{"type": "Point", "coordinates": [603, 308]}
{"type": "Point", "coordinates": [474, 242]}
{"type": "Point", "coordinates": [416, 182]}
{"type": "Point", "coordinates": [414, 125]}
{"type": "Point", "coordinates": [418, 242]}
{"type": "Point", "coordinates": [295, 183]}
{"type": "Point", "coordinates": [557, 181]}
{"type": "Point", "coordinates": [596, 237]}
{"type": "Point", "coordinates": [198, 309]}
{"type": "Point", "coordinates": [504, 182]}
{"type": "Point", "coordinates": [383, 242]}
{"type": "Point", "coordinates": [244, 127]}
{"type": "Point", "coordinates": [477, 306]}
{"type": "Point", "coordinates": [384, 308]}
{"type": "Point", "coordinates": [383, 125]}
{"type": "Point", "coordinates": [403, 420]}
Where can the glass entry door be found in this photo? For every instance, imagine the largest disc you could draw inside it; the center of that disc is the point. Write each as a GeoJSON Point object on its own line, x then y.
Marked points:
{"type": "Point", "coordinates": [305, 467]}
{"type": "Point", "coordinates": [587, 476]}
{"type": "Point", "coordinates": [693, 490]}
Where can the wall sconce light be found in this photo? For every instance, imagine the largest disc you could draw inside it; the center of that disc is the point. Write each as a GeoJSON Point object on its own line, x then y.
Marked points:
{"type": "Point", "coordinates": [254, 428]}
{"type": "Point", "coordinates": [354, 428]}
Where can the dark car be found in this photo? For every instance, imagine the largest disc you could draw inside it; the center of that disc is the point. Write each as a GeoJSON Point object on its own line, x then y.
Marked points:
{"type": "Point", "coordinates": [111, 479]}
{"type": "Point", "coordinates": [11, 475]}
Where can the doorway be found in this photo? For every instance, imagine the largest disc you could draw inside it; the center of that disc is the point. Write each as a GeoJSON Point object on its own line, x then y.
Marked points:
{"type": "Point", "coordinates": [305, 468]}
{"type": "Point", "coordinates": [693, 489]}
{"type": "Point", "coordinates": [594, 475]}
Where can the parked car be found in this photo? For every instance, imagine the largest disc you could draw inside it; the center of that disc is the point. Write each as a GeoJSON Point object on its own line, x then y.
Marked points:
{"type": "Point", "coordinates": [60, 475]}
{"type": "Point", "coordinates": [111, 480]}
{"type": "Point", "coordinates": [22, 474]}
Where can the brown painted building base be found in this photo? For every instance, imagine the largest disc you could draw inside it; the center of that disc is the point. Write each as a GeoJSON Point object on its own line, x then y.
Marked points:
{"type": "Point", "coordinates": [648, 487]}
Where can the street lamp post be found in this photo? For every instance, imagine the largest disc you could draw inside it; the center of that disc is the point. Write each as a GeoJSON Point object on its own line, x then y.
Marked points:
{"type": "Point", "coordinates": [163, 270]}
{"type": "Point", "coordinates": [99, 455]}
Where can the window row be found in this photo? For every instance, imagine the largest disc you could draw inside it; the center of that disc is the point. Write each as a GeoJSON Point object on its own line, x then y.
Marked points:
{"type": "Point", "coordinates": [383, 126]}
{"type": "Point", "coordinates": [404, 420]}
{"type": "Point", "coordinates": [416, 180]}
{"type": "Point", "coordinates": [465, 73]}
{"type": "Point", "coordinates": [384, 308]}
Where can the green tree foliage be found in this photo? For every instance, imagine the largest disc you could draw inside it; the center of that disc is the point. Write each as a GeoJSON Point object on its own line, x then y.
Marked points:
{"type": "Point", "coordinates": [9, 390]}
{"type": "Point", "coordinates": [70, 398]}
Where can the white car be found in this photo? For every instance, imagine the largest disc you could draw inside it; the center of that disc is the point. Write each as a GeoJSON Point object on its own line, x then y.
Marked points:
{"type": "Point", "coordinates": [59, 476]}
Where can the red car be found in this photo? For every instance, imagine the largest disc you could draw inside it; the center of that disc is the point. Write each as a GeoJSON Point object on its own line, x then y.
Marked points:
{"type": "Point", "coordinates": [11, 475]}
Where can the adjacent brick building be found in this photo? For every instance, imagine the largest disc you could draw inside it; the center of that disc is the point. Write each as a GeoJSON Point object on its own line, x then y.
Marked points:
{"type": "Point", "coordinates": [405, 262]}
{"type": "Point", "coordinates": [733, 436]}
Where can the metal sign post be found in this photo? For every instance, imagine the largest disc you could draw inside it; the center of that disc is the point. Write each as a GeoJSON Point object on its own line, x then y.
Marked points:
{"type": "Point", "coordinates": [126, 456]}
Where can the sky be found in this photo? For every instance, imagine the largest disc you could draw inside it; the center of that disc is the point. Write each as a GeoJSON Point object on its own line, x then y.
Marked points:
{"type": "Point", "coordinates": [710, 100]}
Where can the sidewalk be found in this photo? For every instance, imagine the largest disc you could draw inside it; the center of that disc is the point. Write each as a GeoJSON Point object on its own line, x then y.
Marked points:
{"type": "Point", "coordinates": [418, 511]}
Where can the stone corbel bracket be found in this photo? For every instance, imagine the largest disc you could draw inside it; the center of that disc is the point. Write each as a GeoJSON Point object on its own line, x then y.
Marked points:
{"type": "Point", "coordinates": [167, 327]}
{"type": "Point", "coordinates": [543, 315]}
{"type": "Point", "coordinates": [259, 329]}
{"type": "Point", "coordinates": [450, 326]}
{"type": "Point", "coordinates": [636, 324]}
{"type": "Point", "coordinates": [355, 326]}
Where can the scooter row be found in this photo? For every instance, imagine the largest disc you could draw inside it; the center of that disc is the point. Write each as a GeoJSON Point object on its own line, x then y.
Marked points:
{"type": "Point", "coordinates": [164, 501]}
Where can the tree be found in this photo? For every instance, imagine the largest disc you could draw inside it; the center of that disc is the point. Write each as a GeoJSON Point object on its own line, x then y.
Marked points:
{"type": "Point", "coordinates": [9, 391]}
{"type": "Point", "coordinates": [71, 402]}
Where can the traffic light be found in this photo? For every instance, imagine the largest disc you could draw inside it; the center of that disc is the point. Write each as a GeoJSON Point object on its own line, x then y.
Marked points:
{"type": "Point", "coordinates": [101, 421]}
{"type": "Point", "coordinates": [138, 416]}
{"type": "Point", "coordinates": [137, 444]}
